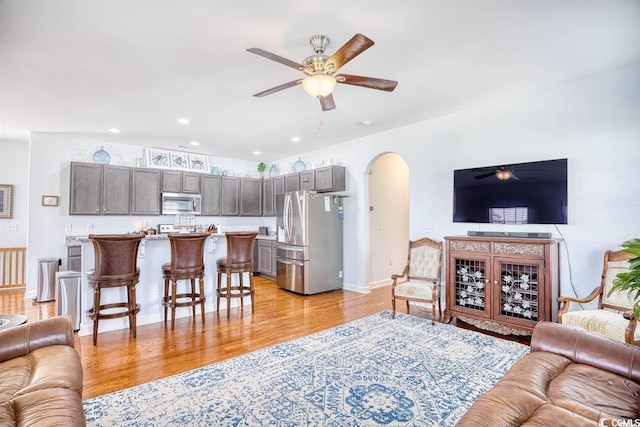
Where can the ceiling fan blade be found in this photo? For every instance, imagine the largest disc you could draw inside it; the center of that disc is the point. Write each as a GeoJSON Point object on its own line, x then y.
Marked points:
{"type": "Point", "coordinates": [277, 58]}
{"type": "Point", "coordinates": [485, 175]}
{"type": "Point", "coordinates": [368, 82]}
{"type": "Point", "coordinates": [348, 51]}
{"type": "Point", "coordinates": [277, 89]}
{"type": "Point", "coordinates": [513, 176]}
{"type": "Point", "coordinates": [327, 102]}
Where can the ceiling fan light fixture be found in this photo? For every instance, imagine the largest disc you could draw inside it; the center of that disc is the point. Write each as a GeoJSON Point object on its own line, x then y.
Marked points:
{"type": "Point", "coordinates": [503, 174]}
{"type": "Point", "coordinates": [319, 85]}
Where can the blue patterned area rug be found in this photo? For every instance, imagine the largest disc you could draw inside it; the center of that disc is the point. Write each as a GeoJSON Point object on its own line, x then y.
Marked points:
{"type": "Point", "coordinates": [369, 372]}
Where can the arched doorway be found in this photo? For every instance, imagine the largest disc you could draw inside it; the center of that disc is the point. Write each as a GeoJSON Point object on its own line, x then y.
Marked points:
{"type": "Point", "coordinates": [388, 217]}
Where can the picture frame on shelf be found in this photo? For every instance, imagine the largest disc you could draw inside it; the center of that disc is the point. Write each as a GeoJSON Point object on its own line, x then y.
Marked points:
{"type": "Point", "coordinates": [6, 201]}
{"type": "Point", "coordinates": [198, 163]}
{"type": "Point", "coordinates": [50, 200]}
{"type": "Point", "coordinates": [156, 158]}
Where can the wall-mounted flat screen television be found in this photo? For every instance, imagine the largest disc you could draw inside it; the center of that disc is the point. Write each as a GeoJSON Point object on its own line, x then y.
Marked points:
{"type": "Point", "coordinates": [518, 193]}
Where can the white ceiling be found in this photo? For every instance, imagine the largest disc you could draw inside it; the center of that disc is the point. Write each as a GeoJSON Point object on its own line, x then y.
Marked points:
{"type": "Point", "coordinates": [82, 67]}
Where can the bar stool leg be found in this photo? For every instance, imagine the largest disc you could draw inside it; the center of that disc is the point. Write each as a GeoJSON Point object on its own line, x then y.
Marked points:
{"type": "Point", "coordinates": [241, 287]}
{"type": "Point", "coordinates": [133, 317]}
{"type": "Point", "coordinates": [166, 298]}
{"type": "Point", "coordinates": [202, 298]}
{"type": "Point", "coordinates": [174, 291]}
{"type": "Point", "coordinates": [228, 294]}
{"type": "Point", "coordinates": [96, 313]}
{"type": "Point", "coordinates": [193, 296]}
{"type": "Point", "coordinates": [218, 290]}
{"type": "Point", "coordinates": [252, 290]}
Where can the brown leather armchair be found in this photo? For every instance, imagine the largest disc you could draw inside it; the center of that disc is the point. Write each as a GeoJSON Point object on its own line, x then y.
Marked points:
{"type": "Point", "coordinates": [40, 375]}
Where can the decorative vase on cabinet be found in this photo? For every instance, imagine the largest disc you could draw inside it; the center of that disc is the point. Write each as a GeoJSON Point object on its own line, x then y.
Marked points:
{"type": "Point", "coordinates": [273, 171]}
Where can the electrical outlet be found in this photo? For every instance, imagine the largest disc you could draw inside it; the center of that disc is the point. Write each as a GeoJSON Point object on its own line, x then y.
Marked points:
{"type": "Point", "coordinates": [12, 227]}
{"type": "Point", "coordinates": [378, 227]}
{"type": "Point", "coordinates": [90, 228]}
{"type": "Point", "coordinates": [428, 228]}
{"type": "Point", "coordinates": [68, 227]}
{"type": "Point", "coordinates": [340, 274]}
{"type": "Point", "coordinates": [390, 261]}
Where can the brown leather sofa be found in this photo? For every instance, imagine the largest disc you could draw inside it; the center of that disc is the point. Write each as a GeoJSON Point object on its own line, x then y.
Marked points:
{"type": "Point", "coordinates": [570, 378]}
{"type": "Point", "coordinates": [40, 375]}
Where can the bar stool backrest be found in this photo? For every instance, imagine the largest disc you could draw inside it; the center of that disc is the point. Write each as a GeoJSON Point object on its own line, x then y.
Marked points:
{"type": "Point", "coordinates": [187, 250]}
{"type": "Point", "coordinates": [116, 254]}
{"type": "Point", "coordinates": [240, 248]}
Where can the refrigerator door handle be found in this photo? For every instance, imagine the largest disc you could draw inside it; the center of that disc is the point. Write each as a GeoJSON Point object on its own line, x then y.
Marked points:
{"type": "Point", "coordinates": [291, 262]}
{"type": "Point", "coordinates": [288, 212]}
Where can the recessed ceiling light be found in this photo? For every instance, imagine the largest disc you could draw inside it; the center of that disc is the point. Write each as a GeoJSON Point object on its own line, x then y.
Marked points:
{"type": "Point", "coordinates": [114, 130]}
{"type": "Point", "coordinates": [194, 143]}
{"type": "Point", "coordinates": [365, 123]}
{"type": "Point", "coordinates": [257, 153]}
{"type": "Point", "coordinates": [183, 121]}
{"type": "Point", "coordinates": [295, 139]}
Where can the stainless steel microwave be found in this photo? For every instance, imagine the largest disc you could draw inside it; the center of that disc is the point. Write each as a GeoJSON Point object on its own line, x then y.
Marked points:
{"type": "Point", "coordinates": [181, 203]}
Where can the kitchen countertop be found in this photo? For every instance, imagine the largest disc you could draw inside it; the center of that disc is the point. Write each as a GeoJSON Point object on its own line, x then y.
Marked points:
{"type": "Point", "coordinates": [79, 240]}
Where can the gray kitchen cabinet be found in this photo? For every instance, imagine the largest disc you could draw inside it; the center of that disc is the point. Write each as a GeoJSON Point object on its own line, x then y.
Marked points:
{"type": "Point", "coordinates": [99, 190]}
{"type": "Point", "coordinates": [180, 182]}
{"type": "Point", "coordinates": [229, 195]}
{"type": "Point", "coordinates": [211, 196]}
{"type": "Point", "coordinates": [268, 197]}
{"type": "Point", "coordinates": [74, 258]}
{"type": "Point", "coordinates": [145, 191]}
{"type": "Point", "coordinates": [85, 195]}
{"type": "Point", "coordinates": [250, 197]}
{"type": "Point", "coordinates": [266, 257]}
{"type": "Point", "coordinates": [330, 178]}
{"type": "Point", "coordinates": [191, 182]}
{"type": "Point", "coordinates": [308, 180]}
{"type": "Point", "coordinates": [291, 182]}
{"type": "Point", "coordinates": [116, 190]}
{"type": "Point", "coordinates": [278, 185]}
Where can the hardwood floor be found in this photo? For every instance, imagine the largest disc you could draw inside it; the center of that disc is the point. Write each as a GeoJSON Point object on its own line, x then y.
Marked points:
{"type": "Point", "coordinates": [118, 361]}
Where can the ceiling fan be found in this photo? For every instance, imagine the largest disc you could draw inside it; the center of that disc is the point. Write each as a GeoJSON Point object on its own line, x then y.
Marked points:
{"type": "Point", "coordinates": [503, 173]}
{"type": "Point", "coordinates": [321, 69]}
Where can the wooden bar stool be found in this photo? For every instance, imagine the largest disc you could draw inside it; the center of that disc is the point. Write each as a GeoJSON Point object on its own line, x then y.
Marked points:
{"type": "Point", "coordinates": [239, 260]}
{"type": "Point", "coordinates": [115, 266]}
{"type": "Point", "coordinates": [187, 263]}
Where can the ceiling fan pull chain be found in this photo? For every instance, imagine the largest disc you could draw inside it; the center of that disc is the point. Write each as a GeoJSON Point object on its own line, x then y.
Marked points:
{"type": "Point", "coordinates": [320, 121]}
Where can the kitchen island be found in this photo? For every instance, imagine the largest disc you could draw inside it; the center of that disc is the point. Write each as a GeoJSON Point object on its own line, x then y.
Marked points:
{"type": "Point", "coordinates": [154, 251]}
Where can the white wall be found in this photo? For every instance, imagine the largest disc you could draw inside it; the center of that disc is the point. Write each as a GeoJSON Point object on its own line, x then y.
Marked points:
{"type": "Point", "coordinates": [50, 157]}
{"type": "Point", "coordinates": [594, 122]}
{"type": "Point", "coordinates": [14, 161]}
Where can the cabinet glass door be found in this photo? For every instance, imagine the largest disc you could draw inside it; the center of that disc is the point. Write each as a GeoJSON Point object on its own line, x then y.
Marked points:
{"type": "Point", "coordinates": [519, 291]}
{"type": "Point", "coordinates": [469, 291]}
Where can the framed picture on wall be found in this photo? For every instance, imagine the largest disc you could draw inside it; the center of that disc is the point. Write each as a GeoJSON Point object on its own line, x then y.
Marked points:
{"type": "Point", "coordinates": [6, 201]}
{"type": "Point", "coordinates": [49, 200]}
{"type": "Point", "coordinates": [157, 158]}
{"type": "Point", "coordinates": [198, 163]}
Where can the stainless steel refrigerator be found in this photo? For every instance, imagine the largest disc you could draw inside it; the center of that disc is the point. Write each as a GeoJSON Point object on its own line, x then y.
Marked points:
{"type": "Point", "coordinates": [309, 246]}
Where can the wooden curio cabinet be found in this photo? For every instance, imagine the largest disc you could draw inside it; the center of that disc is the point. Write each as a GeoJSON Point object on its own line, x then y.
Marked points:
{"type": "Point", "coordinates": [502, 283]}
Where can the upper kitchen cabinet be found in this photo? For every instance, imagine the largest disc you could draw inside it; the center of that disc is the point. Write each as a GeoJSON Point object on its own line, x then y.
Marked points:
{"type": "Point", "coordinates": [268, 197]}
{"type": "Point", "coordinates": [250, 197]}
{"type": "Point", "coordinates": [116, 190]}
{"type": "Point", "coordinates": [230, 191]}
{"type": "Point", "coordinates": [85, 196]}
{"type": "Point", "coordinates": [211, 195]}
{"type": "Point", "coordinates": [145, 191]}
{"type": "Point", "coordinates": [97, 189]}
{"type": "Point", "coordinates": [330, 178]}
{"type": "Point", "coordinates": [180, 182]}
{"type": "Point", "coordinates": [308, 180]}
{"type": "Point", "coordinates": [278, 184]}
{"type": "Point", "coordinates": [291, 182]}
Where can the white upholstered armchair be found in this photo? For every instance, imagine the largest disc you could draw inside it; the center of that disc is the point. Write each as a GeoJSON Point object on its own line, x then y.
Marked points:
{"type": "Point", "coordinates": [420, 279]}
{"type": "Point", "coordinates": [613, 316]}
